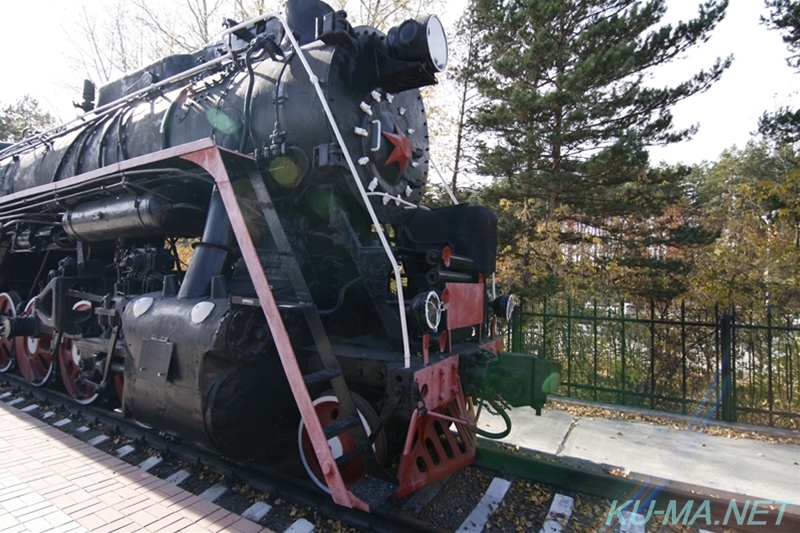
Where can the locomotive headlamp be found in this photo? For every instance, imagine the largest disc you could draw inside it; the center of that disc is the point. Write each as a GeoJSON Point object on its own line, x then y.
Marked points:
{"type": "Point", "coordinates": [504, 305]}
{"type": "Point", "coordinates": [433, 310]}
{"type": "Point", "coordinates": [426, 309]}
{"type": "Point", "coordinates": [420, 40]}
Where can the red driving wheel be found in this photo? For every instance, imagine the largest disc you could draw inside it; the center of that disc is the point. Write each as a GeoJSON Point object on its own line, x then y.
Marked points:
{"type": "Point", "coordinates": [33, 355]}
{"type": "Point", "coordinates": [8, 302]}
{"type": "Point", "coordinates": [69, 359]}
{"type": "Point", "coordinates": [68, 363]}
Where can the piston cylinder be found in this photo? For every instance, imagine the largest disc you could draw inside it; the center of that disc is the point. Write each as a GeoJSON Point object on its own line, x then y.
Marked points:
{"type": "Point", "coordinates": [208, 372]}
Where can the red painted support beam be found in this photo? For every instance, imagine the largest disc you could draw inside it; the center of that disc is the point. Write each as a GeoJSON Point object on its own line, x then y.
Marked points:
{"type": "Point", "coordinates": [210, 159]}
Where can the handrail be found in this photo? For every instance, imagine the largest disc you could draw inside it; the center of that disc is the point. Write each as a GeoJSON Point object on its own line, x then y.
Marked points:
{"type": "Point", "coordinates": [95, 114]}
{"type": "Point", "coordinates": [99, 112]}
{"type": "Point", "coordinates": [444, 182]}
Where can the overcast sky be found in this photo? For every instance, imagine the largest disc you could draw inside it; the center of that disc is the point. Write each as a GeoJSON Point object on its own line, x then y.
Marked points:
{"type": "Point", "coordinates": [34, 44]}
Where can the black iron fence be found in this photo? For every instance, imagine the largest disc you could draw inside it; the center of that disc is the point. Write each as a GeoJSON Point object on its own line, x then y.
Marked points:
{"type": "Point", "coordinates": [726, 364]}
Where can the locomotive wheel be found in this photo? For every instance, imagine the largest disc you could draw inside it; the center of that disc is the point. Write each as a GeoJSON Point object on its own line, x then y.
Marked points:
{"type": "Point", "coordinates": [68, 363]}
{"type": "Point", "coordinates": [69, 359]}
{"type": "Point", "coordinates": [34, 359]}
{"type": "Point", "coordinates": [8, 307]}
{"type": "Point", "coordinates": [327, 408]}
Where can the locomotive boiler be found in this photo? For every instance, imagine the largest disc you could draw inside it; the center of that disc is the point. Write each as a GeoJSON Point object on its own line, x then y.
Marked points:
{"type": "Point", "coordinates": [290, 159]}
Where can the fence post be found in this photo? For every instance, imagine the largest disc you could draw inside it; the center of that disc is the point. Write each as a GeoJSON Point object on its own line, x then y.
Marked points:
{"type": "Point", "coordinates": [622, 346]}
{"type": "Point", "coordinates": [516, 330]}
{"type": "Point", "coordinates": [544, 328]}
{"type": "Point", "coordinates": [569, 346]}
{"type": "Point", "coordinates": [683, 355]}
{"type": "Point", "coordinates": [717, 365]}
{"type": "Point", "coordinates": [770, 396]}
{"type": "Point", "coordinates": [789, 366]}
{"type": "Point", "coordinates": [728, 370]}
{"type": "Point", "coordinates": [594, 340]}
{"type": "Point", "coordinates": [652, 354]}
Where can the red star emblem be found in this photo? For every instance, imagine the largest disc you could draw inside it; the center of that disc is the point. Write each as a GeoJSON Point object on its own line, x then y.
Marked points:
{"type": "Point", "coordinates": [402, 148]}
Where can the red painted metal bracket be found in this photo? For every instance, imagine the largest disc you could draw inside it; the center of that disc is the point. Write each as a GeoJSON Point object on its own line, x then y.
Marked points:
{"type": "Point", "coordinates": [464, 304]}
{"type": "Point", "coordinates": [432, 450]}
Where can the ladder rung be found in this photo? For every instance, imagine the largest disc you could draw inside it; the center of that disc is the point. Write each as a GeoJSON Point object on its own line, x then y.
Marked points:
{"type": "Point", "coordinates": [326, 374]}
{"type": "Point", "coordinates": [352, 454]}
{"type": "Point", "coordinates": [340, 426]}
{"type": "Point", "coordinates": [263, 252]}
{"type": "Point", "coordinates": [243, 300]}
{"type": "Point", "coordinates": [294, 306]}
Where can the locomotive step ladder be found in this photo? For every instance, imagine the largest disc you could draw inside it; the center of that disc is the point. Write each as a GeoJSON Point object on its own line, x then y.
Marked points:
{"type": "Point", "coordinates": [378, 484]}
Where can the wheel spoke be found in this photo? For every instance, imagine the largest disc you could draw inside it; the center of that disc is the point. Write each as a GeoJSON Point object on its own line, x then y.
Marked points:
{"type": "Point", "coordinates": [6, 354]}
{"type": "Point", "coordinates": [7, 308]}
{"type": "Point", "coordinates": [81, 391]}
{"type": "Point", "coordinates": [33, 354]}
{"type": "Point", "coordinates": [328, 411]}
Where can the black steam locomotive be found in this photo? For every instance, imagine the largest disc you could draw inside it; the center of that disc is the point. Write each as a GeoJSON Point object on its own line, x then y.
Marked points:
{"type": "Point", "coordinates": [291, 156]}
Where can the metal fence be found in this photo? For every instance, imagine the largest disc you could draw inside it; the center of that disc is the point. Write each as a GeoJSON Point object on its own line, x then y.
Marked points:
{"type": "Point", "coordinates": [726, 364]}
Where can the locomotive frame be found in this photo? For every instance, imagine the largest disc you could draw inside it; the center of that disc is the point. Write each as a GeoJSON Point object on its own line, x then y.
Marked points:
{"type": "Point", "coordinates": [203, 353]}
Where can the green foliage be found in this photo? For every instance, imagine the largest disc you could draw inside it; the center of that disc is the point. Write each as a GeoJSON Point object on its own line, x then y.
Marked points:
{"type": "Point", "coordinates": [464, 66]}
{"type": "Point", "coordinates": [564, 131]}
{"type": "Point", "coordinates": [752, 197]}
{"type": "Point", "coordinates": [783, 125]}
{"type": "Point", "coordinates": [21, 117]}
{"type": "Point", "coordinates": [784, 15]}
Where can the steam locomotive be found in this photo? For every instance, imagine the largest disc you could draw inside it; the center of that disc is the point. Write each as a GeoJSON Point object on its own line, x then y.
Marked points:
{"type": "Point", "coordinates": [292, 156]}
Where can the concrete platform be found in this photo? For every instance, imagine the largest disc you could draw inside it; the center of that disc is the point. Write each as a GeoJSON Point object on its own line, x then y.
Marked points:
{"type": "Point", "coordinates": [752, 468]}
{"type": "Point", "coordinates": [52, 482]}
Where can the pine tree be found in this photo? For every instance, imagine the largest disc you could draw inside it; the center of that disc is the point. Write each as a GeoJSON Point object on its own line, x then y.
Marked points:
{"type": "Point", "coordinates": [569, 114]}
{"type": "Point", "coordinates": [22, 117]}
{"type": "Point", "coordinates": [784, 16]}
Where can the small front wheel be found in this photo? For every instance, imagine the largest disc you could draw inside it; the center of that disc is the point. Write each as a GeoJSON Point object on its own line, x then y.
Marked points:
{"type": "Point", "coordinates": [328, 411]}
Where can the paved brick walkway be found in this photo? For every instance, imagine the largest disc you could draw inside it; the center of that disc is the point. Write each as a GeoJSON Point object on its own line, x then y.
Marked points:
{"type": "Point", "coordinates": [52, 482]}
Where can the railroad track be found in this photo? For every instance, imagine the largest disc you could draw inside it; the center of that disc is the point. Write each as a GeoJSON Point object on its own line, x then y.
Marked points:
{"type": "Point", "coordinates": [506, 490]}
